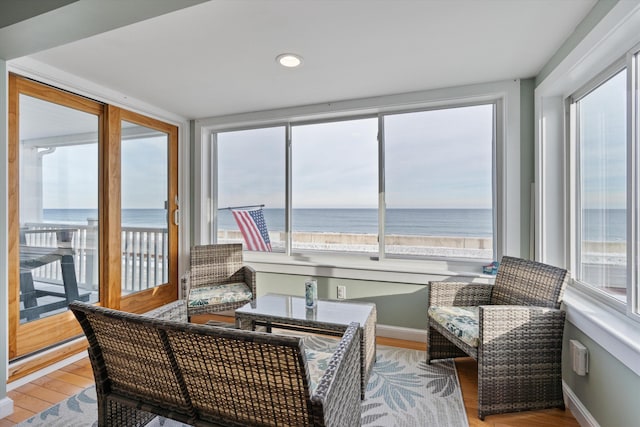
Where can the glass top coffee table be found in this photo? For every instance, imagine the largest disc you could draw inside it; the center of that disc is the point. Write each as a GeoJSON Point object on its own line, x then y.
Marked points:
{"type": "Point", "coordinates": [328, 317]}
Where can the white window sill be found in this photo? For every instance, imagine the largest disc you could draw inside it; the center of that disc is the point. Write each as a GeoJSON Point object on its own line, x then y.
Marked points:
{"type": "Point", "coordinates": [615, 332]}
{"type": "Point", "coordinates": [364, 268]}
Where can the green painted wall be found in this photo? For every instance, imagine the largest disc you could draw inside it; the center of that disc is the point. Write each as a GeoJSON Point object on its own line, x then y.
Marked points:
{"type": "Point", "coordinates": [398, 304]}
{"type": "Point", "coordinates": [527, 134]}
{"type": "Point", "coordinates": [610, 389]}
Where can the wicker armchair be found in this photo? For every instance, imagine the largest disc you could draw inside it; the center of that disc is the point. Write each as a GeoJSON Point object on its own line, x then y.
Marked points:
{"type": "Point", "coordinates": [217, 280]}
{"type": "Point", "coordinates": [512, 328]}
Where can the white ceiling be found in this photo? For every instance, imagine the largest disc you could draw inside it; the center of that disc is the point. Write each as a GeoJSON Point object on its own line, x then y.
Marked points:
{"type": "Point", "coordinates": [218, 57]}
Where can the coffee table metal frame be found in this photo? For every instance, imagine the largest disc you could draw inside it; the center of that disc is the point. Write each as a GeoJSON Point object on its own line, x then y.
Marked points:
{"type": "Point", "coordinates": [262, 313]}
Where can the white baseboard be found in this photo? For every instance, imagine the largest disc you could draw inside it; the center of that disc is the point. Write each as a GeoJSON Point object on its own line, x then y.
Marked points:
{"type": "Point", "coordinates": [6, 407]}
{"type": "Point", "coordinates": [579, 411]}
{"type": "Point", "coordinates": [409, 334]}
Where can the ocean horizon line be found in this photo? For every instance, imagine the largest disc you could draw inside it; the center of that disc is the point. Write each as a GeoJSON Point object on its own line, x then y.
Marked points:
{"type": "Point", "coordinates": [598, 225]}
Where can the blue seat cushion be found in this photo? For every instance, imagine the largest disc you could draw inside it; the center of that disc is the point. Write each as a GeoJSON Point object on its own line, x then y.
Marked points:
{"type": "Point", "coordinates": [219, 294]}
{"type": "Point", "coordinates": [460, 321]}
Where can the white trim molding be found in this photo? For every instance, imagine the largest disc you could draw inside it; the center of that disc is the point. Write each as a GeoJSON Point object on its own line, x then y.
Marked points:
{"type": "Point", "coordinates": [579, 411]}
{"type": "Point", "coordinates": [6, 407]}
{"type": "Point", "coordinates": [612, 330]}
{"type": "Point", "coordinates": [409, 334]}
{"type": "Point", "coordinates": [44, 73]}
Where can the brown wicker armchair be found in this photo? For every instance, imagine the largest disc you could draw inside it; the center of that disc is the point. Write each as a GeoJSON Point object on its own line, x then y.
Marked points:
{"type": "Point", "coordinates": [218, 280]}
{"type": "Point", "coordinates": [512, 328]}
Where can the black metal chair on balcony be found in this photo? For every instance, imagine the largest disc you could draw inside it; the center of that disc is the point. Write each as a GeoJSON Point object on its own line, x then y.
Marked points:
{"type": "Point", "coordinates": [218, 280]}
{"type": "Point", "coordinates": [56, 297]}
{"type": "Point", "coordinates": [512, 328]}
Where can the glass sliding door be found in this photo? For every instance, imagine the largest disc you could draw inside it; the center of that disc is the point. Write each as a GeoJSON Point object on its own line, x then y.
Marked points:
{"type": "Point", "coordinates": [58, 161]}
{"type": "Point", "coordinates": [147, 212]}
{"type": "Point", "coordinates": [144, 217]}
{"type": "Point", "coordinates": [54, 198]}
{"type": "Point", "coordinates": [92, 201]}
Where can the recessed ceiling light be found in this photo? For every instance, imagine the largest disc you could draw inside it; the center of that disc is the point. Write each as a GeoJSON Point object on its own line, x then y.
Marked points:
{"type": "Point", "coordinates": [289, 60]}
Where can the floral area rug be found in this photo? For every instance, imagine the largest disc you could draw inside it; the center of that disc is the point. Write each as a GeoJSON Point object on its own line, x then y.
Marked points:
{"type": "Point", "coordinates": [402, 391]}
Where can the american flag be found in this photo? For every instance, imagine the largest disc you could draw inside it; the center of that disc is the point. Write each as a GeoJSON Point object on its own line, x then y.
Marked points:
{"type": "Point", "coordinates": [253, 229]}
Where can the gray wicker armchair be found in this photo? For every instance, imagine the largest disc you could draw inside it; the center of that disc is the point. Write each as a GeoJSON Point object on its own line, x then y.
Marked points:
{"type": "Point", "coordinates": [512, 328]}
{"type": "Point", "coordinates": [218, 280]}
{"type": "Point", "coordinates": [209, 376]}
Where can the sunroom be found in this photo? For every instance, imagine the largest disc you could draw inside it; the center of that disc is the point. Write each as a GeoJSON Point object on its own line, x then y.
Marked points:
{"type": "Point", "coordinates": [398, 152]}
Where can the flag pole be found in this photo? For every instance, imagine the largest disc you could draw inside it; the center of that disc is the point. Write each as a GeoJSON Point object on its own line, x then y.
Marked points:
{"type": "Point", "coordinates": [241, 207]}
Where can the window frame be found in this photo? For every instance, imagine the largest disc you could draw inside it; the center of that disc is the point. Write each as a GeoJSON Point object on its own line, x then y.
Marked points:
{"type": "Point", "coordinates": [34, 336]}
{"type": "Point", "coordinates": [574, 218]}
{"type": "Point", "coordinates": [496, 187]}
{"type": "Point", "coordinates": [629, 65]}
{"type": "Point", "coordinates": [507, 188]}
{"type": "Point", "coordinates": [381, 253]}
{"type": "Point", "coordinates": [608, 325]}
{"type": "Point", "coordinates": [213, 160]}
{"type": "Point", "coordinates": [633, 185]}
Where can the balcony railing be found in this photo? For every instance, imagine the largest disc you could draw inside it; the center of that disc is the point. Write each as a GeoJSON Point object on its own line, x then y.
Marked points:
{"type": "Point", "coordinates": [144, 255]}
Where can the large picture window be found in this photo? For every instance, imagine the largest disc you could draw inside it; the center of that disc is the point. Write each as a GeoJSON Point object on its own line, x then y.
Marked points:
{"type": "Point", "coordinates": [251, 174]}
{"type": "Point", "coordinates": [335, 186]}
{"type": "Point", "coordinates": [438, 182]}
{"type": "Point", "coordinates": [401, 184]}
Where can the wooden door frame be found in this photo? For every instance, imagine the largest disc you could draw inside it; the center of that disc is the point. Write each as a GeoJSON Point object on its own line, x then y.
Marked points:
{"type": "Point", "coordinates": [146, 300]}
{"type": "Point", "coordinates": [26, 338]}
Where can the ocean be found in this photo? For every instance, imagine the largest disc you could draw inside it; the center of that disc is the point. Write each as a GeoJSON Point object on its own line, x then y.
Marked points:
{"type": "Point", "coordinates": [422, 222]}
{"type": "Point", "coordinates": [598, 225]}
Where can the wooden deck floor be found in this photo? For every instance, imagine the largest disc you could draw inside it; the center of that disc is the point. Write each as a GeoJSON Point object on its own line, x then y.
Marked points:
{"type": "Point", "coordinates": [40, 394]}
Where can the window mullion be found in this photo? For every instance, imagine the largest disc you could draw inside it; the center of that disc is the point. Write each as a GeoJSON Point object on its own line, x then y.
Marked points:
{"type": "Point", "coordinates": [382, 207]}
{"type": "Point", "coordinates": [213, 226]}
{"type": "Point", "coordinates": [288, 191]}
{"type": "Point", "coordinates": [632, 184]}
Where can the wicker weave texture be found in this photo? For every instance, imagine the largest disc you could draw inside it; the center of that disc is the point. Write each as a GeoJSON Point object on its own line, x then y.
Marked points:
{"type": "Point", "coordinates": [248, 321]}
{"type": "Point", "coordinates": [519, 359]}
{"type": "Point", "coordinates": [520, 335]}
{"type": "Point", "coordinates": [524, 282]}
{"type": "Point", "coordinates": [206, 375]}
{"type": "Point", "coordinates": [218, 265]}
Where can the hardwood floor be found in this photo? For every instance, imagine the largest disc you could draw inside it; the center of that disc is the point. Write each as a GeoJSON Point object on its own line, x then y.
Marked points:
{"type": "Point", "coordinates": [40, 394]}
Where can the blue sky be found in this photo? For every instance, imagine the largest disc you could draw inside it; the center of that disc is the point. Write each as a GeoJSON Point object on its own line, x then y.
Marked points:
{"type": "Point", "coordinates": [71, 175]}
{"type": "Point", "coordinates": [603, 146]}
{"type": "Point", "coordinates": [434, 159]}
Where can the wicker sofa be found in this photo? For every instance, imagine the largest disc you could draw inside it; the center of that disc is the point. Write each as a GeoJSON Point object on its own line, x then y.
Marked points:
{"type": "Point", "coordinates": [205, 375]}
{"type": "Point", "coordinates": [513, 328]}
